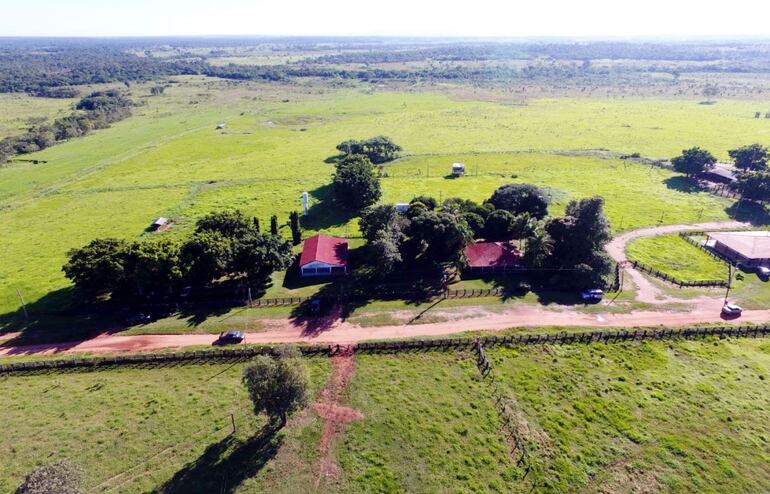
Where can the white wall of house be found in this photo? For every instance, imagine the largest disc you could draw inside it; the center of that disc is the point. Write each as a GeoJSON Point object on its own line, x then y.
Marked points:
{"type": "Point", "coordinates": [317, 268]}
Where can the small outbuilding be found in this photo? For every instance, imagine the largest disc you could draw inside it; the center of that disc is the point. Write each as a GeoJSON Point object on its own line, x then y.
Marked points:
{"type": "Point", "coordinates": [486, 257]}
{"type": "Point", "coordinates": [458, 169]}
{"type": "Point", "coordinates": [221, 126]}
{"type": "Point", "coordinates": [323, 255]}
{"type": "Point", "coordinates": [402, 207]}
{"type": "Point", "coordinates": [159, 223]}
{"type": "Point", "coordinates": [749, 248]}
{"type": "Point", "coordinates": [720, 175]}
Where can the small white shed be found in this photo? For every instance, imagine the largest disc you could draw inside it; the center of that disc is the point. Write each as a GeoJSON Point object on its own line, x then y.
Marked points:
{"type": "Point", "coordinates": [402, 207]}
{"type": "Point", "coordinates": [458, 169]}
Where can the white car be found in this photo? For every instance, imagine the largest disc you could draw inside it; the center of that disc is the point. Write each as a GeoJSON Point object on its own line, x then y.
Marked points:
{"type": "Point", "coordinates": [763, 272]}
{"type": "Point", "coordinates": [732, 310]}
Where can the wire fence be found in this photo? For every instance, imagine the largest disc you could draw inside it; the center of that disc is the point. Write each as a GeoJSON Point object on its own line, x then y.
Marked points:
{"type": "Point", "coordinates": [388, 346]}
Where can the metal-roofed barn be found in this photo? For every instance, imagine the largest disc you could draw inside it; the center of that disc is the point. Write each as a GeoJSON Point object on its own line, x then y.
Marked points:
{"type": "Point", "coordinates": [323, 255]}
{"type": "Point", "coordinates": [750, 248]}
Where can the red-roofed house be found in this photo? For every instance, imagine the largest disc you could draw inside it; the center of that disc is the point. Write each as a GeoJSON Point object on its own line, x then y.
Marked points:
{"type": "Point", "coordinates": [492, 256]}
{"type": "Point", "coordinates": [323, 255]}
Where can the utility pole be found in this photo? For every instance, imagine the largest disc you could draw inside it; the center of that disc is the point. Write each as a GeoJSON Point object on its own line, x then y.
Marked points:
{"type": "Point", "coordinates": [729, 281]}
{"type": "Point", "coordinates": [23, 304]}
{"type": "Point", "coordinates": [232, 420]}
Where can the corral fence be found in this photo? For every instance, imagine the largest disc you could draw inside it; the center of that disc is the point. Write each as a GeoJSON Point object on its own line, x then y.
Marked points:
{"type": "Point", "coordinates": [676, 281]}
{"type": "Point", "coordinates": [687, 237]}
{"type": "Point", "coordinates": [393, 346]}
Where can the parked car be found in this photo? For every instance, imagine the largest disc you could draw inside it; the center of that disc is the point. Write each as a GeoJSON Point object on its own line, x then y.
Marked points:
{"type": "Point", "coordinates": [231, 337]}
{"type": "Point", "coordinates": [185, 292]}
{"type": "Point", "coordinates": [592, 295]}
{"type": "Point", "coordinates": [732, 310]}
{"type": "Point", "coordinates": [139, 318]}
{"type": "Point", "coordinates": [763, 272]}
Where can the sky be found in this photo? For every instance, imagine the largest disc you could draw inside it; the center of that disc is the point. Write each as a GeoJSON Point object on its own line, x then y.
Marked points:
{"type": "Point", "coordinates": [469, 18]}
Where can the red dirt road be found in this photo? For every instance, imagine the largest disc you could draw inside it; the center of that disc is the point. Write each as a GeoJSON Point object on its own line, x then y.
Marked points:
{"type": "Point", "coordinates": [706, 311]}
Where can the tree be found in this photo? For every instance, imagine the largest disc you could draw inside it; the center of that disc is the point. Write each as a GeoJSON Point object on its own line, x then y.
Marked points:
{"type": "Point", "coordinates": [153, 270]}
{"type": "Point", "coordinates": [475, 222]}
{"type": "Point", "coordinates": [296, 231]}
{"type": "Point", "coordinates": [229, 223]}
{"type": "Point", "coordinates": [206, 256]}
{"type": "Point", "coordinates": [56, 478]}
{"type": "Point", "coordinates": [385, 251]}
{"type": "Point", "coordinates": [751, 157]}
{"type": "Point", "coordinates": [378, 149]}
{"type": "Point", "coordinates": [499, 225]}
{"type": "Point", "coordinates": [258, 255]}
{"type": "Point", "coordinates": [521, 198]}
{"type": "Point", "coordinates": [693, 161]}
{"type": "Point", "coordinates": [429, 202]}
{"type": "Point", "coordinates": [255, 224]}
{"type": "Point", "coordinates": [383, 217]}
{"type": "Point", "coordinates": [97, 268]}
{"type": "Point", "coordinates": [753, 186]}
{"type": "Point", "coordinates": [355, 185]}
{"type": "Point", "coordinates": [538, 248]}
{"type": "Point", "coordinates": [276, 386]}
{"type": "Point", "coordinates": [579, 239]}
{"type": "Point", "coordinates": [274, 225]}
{"type": "Point", "coordinates": [438, 236]}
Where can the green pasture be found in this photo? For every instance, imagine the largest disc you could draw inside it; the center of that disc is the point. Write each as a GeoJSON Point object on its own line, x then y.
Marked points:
{"type": "Point", "coordinates": [168, 159]}
{"type": "Point", "coordinates": [138, 430]}
{"type": "Point", "coordinates": [18, 112]}
{"type": "Point", "coordinates": [674, 256]}
{"type": "Point", "coordinates": [651, 417]}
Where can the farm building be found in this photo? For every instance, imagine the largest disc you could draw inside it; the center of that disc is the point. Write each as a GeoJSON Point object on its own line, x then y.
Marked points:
{"type": "Point", "coordinates": [720, 175]}
{"type": "Point", "coordinates": [402, 207]}
{"type": "Point", "coordinates": [492, 256]}
{"type": "Point", "coordinates": [323, 255]}
{"type": "Point", "coordinates": [221, 126]}
{"type": "Point", "coordinates": [159, 223]}
{"type": "Point", "coordinates": [751, 248]}
{"type": "Point", "coordinates": [458, 169]}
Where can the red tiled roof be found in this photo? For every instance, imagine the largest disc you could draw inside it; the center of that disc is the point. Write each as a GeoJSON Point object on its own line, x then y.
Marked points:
{"type": "Point", "coordinates": [492, 254]}
{"type": "Point", "coordinates": [325, 249]}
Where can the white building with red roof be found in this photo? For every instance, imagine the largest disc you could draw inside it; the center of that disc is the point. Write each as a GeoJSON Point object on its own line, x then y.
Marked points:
{"type": "Point", "coordinates": [492, 256]}
{"type": "Point", "coordinates": [323, 255]}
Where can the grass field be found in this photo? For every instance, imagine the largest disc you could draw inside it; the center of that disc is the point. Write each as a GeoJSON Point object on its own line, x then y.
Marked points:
{"type": "Point", "coordinates": [132, 430]}
{"type": "Point", "coordinates": [671, 416]}
{"type": "Point", "coordinates": [652, 417]}
{"type": "Point", "coordinates": [169, 160]}
{"type": "Point", "coordinates": [674, 256]}
{"type": "Point", "coordinates": [18, 112]}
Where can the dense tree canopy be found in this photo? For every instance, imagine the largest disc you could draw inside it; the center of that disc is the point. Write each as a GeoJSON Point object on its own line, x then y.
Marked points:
{"type": "Point", "coordinates": [355, 185]}
{"type": "Point", "coordinates": [521, 198]}
{"type": "Point", "coordinates": [276, 386]}
{"type": "Point", "coordinates": [378, 149]}
{"type": "Point", "coordinates": [693, 161]}
{"type": "Point", "coordinates": [98, 267]}
{"type": "Point", "coordinates": [438, 236]}
{"type": "Point", "coordinates": [754, 186]}
{"type": "Point", "coordinates": [751, 157]}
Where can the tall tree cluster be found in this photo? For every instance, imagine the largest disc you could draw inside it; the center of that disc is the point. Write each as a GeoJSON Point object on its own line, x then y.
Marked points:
{"type": "Point", "coordinates": [224, 244]}
{"type": "Point", "coordinates": [355, 184]}
{"type": "Point", "coordinates": [378, 149]}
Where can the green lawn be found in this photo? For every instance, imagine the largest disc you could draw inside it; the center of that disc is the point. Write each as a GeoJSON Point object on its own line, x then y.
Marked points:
{"type": "Point", "coordinates": [132, 430]}
{"type": "Point", "coordinates": [674, 256]}
{"type": "Point", "coordinates": [658, 416]}
{"type": "Point", "coordinates": [169, 160]}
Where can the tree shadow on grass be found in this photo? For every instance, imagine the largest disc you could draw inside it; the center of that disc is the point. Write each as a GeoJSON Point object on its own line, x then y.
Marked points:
{"type": "Point", "coordinates": [683, 184]}
{"type": "Point", "coordinates": [323, 213]}
{"type": "Point", "coordinates": [224, 465]}
{"type": "Point", "coordinates": [516, 285]}
{"type": "Point", "coordinates": [749, 212]}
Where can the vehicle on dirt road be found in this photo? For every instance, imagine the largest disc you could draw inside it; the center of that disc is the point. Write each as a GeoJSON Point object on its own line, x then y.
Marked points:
{"type": "Point", "coordinates": [763, 272]}
{"type": "Point", "coordinates": [231, 337]}
{"type": "Point", "coordinates": [139, 318]}
{"type": "Point", "coordinates": [731, 310]}
{"type": "Point", "coordinates": [593, 295]}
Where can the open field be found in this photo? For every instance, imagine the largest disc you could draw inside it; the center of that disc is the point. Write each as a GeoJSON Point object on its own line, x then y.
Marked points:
{"type": "Point", "coordinates": [669, 416]}
{"type": "Point", "coordinates": [18, 112]}
{"type": "Point", "coordinates": [674, 256]}
{"type": "Point", "coordinates": [169, 160]}
{"type": "Point", "coordinates": [132, 430]}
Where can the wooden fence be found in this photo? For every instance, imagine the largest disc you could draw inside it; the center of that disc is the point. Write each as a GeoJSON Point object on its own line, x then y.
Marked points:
{"type": "Point", "coordinates": [676, 281]}
{"type": "Point", "coordinates": [391, 346]}
{"type": "Point", "coordinates": [687, 237]}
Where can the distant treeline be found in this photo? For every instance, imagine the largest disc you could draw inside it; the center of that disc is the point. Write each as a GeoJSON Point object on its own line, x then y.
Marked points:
{"type": "Point", "coordinates": [49, 67]}
{"type": "Point", "coordinates": [99, 110]}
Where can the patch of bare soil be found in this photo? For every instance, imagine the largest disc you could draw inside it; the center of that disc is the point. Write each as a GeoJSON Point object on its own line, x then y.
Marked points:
{"type": "Point", "coordinates": [623, 478]}
{"type": "Point", "coordinates": [334, 415]}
